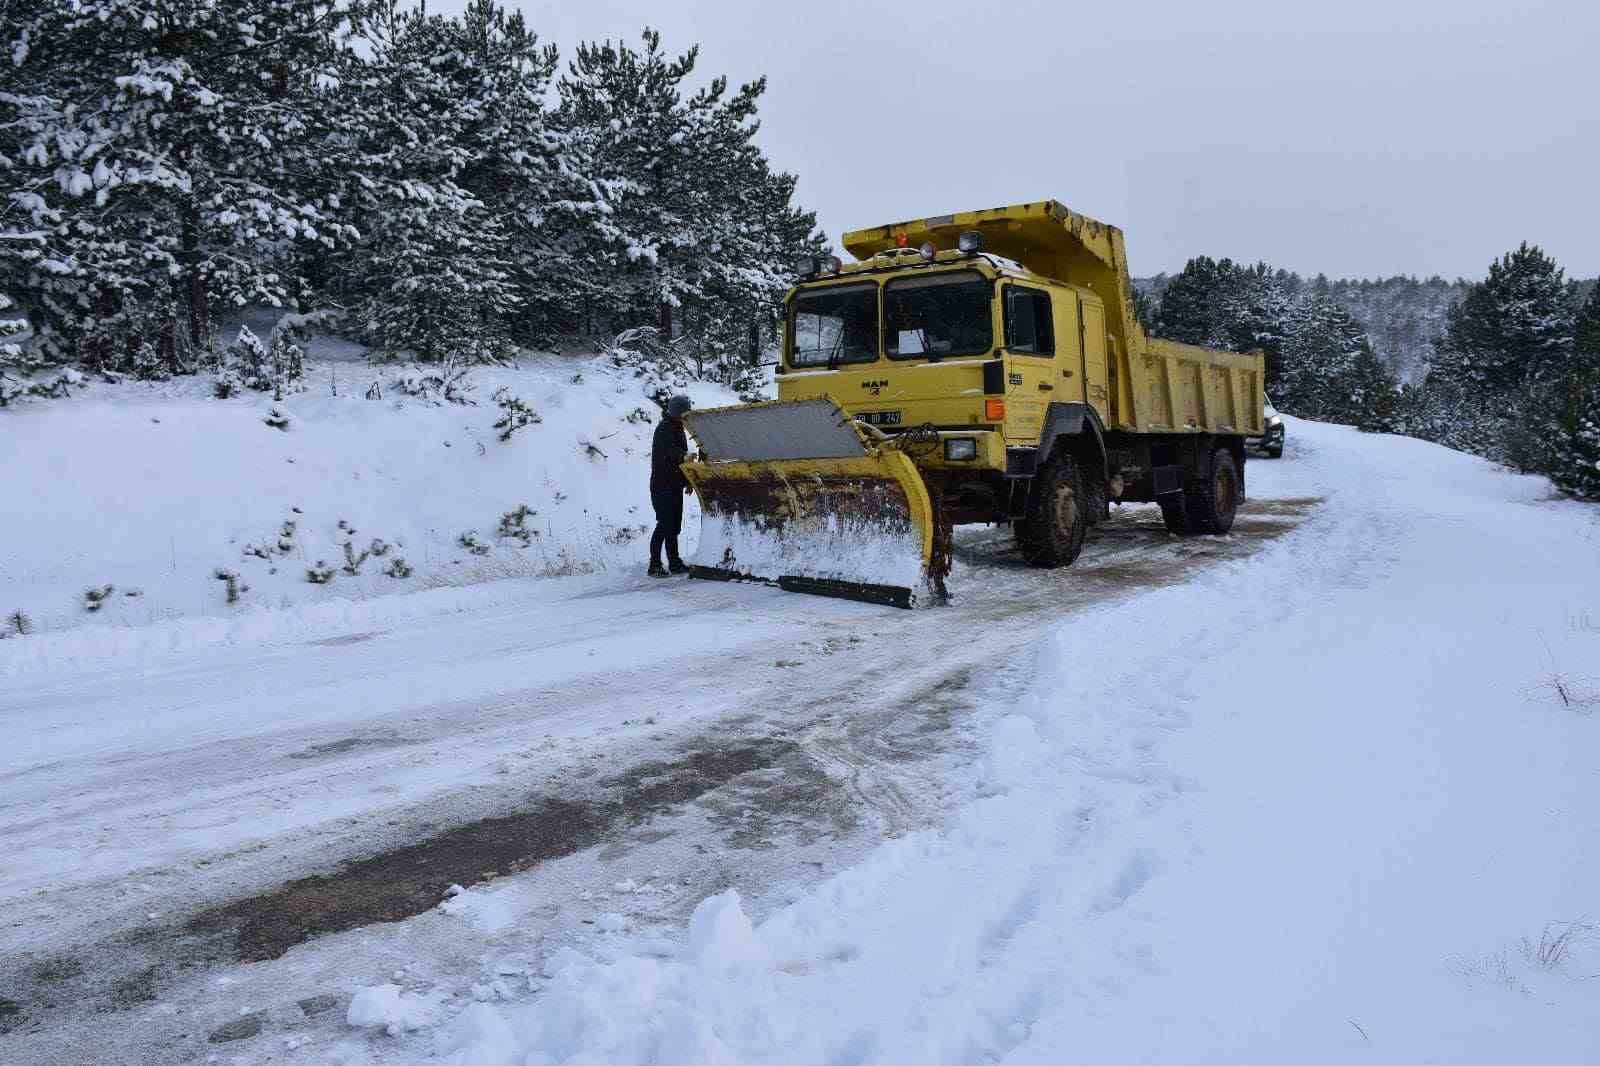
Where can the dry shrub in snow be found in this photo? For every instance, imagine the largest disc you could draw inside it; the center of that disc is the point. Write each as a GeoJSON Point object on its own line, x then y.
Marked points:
{"type": "Point", "coordinates": [514, 414]}
{"type": "Point", "coordinates": [1555, 944]}
{"type": "Point", "coordinates": [276, 367]}
{"type": "Point", "coordinates": [514, 525]}
{"type": "Point", "coordinates": [658, 364]}
{"type": "Point", "coordinates": [446, 382]}
{"type": "Point", "coordinates": [1577, 693]}
{"type": "Point", "coordinates": [230, 578]}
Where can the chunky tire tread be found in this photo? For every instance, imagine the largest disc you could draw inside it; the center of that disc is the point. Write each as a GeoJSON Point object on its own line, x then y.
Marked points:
{"type": "Point", "coordinates": [1208, 503]}
{"type": "Point", "coordinates": [1213, 501]}
{"type": "Point", "coordinates": [1045, 537]}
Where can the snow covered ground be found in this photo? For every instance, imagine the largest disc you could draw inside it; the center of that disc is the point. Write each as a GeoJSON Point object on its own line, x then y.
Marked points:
{"type": "Point", "coordinates": [151, 489]}
{"type": "Point", "coordinates": [1307, 793]}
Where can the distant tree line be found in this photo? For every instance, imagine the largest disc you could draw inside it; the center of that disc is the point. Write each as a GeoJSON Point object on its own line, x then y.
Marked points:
{"type": "Point", "coordinates": [1514, 373]}
{"type": "Point", "coordinates": [439, 185]}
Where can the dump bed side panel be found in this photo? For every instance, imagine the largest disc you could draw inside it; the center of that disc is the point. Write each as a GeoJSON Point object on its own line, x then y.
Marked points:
{"type": "Point", "coordinates": [1183, 388]}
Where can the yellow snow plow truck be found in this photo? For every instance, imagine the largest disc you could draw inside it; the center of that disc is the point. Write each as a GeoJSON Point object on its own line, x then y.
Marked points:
{"type": "Point", "coordinates": [985, 366]}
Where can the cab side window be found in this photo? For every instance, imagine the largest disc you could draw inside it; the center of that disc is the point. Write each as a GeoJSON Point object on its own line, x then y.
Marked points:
{"type": "Point", "coordinates": [1029, 328]}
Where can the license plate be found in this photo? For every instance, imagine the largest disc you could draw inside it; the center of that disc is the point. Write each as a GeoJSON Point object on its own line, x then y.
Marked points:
{"type": "Point", "coordinates": [880, 418]}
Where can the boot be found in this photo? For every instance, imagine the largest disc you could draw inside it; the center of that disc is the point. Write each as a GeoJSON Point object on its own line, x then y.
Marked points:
{"type": "Point", "coordinates": [656, 569]}
{"type": "Point", "coordinates": [677, 566]}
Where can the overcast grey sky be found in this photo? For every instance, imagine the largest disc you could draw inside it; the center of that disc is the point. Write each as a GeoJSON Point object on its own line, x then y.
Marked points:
{"type": "Point", "coordinates": [1357, 137]}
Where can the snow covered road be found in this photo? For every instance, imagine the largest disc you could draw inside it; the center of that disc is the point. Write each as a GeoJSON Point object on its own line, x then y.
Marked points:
{"type": "Point", "coordinates": [146, 789]}
{"type": "Point", "coordinates": [1263, 788]}
{"type": "Point", "coordinates": [1332, 807]}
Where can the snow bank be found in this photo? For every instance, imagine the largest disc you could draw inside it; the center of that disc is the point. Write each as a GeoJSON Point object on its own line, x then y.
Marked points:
{"type": "Point", "coordinates": [1302, 808]}
{"type": "Point", "coordinates": [152, 490]}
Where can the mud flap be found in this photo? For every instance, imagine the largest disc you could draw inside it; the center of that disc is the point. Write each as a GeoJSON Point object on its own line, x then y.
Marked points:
{"type": "Point", "coordinates": [791, 494]}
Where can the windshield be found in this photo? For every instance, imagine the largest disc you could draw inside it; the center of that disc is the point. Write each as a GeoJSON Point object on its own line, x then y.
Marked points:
{"type": "Point", "coordinates": [938, 315]}
{"type": "Point", "coordinates": [837, 324]}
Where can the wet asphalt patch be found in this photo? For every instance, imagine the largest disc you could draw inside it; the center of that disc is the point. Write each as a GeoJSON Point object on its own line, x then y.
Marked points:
{"type": "Point", "coordinates": [388, 887]}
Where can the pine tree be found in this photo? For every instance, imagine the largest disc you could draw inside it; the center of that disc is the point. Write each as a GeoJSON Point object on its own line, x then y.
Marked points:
{"type": "Point", "coordinates": [1586, 333]}
{"type": "Point", "coordinates": [1255, 308]}
{"type": "Point", "coordinates": [1507, 345]}
{"type": "Point", "coordinates": [1573, 461]}
{"type": "Point", "coordinates": [1191, 305]}
{"type": "Point", "coordinates": [432, 275]}
{"type": "Point", "coordinates": [1329, 371]}
{"type": "Point", "coordinates": [690, 229]}
{"type": "Point", "coordinates": [1373, 397]}
{"type": "Point", "coordinates": [11, 352]}
{"type": "Point", "coordinates": [165, 161]}
{"type": "Point", "coordinates": [1514, 327]}
{"type": "Point", "coordinates": [166, 156]}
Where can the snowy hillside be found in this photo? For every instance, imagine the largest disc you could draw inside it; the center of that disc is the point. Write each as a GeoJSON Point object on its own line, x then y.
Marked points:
{"type": "Point", "coordinates": [150, 490]}
{"type": "Point", "coordinates": [1317, 791]}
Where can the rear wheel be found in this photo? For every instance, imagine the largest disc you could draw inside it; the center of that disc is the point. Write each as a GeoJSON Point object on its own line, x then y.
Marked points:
{"type": "Point", "coordinates": [1209, 502]}
{"type": "Point", "coordinates": [1058, 515]}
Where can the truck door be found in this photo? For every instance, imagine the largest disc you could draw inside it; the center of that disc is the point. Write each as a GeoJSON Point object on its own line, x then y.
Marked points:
{"type": "Point", "coordinates": [1092, 316]}
{"type": "Point", "coordinates": [1032, 381]}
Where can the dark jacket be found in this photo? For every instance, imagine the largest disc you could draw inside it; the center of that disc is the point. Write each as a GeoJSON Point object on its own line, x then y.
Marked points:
{"type": "Point", "coordinates": [667, 450]}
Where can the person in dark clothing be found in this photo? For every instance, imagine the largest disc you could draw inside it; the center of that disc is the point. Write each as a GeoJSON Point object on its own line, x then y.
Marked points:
{"type": "Point", "coordinates": [668, 486]}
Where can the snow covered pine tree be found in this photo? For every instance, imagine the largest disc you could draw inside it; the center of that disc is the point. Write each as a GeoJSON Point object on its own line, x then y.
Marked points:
{"type": "Point", "coordinates": [1574, 460]}
{"type": "Point", "coordinates": [1507, 342]}
{"type": "Point", "coordinates": [170, 158]}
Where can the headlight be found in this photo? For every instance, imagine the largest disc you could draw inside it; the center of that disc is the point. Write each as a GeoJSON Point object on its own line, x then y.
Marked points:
{"type": "Point", "coordinates": [958, 448]}
{"type": "Point", "coordinates": [1274, 420]}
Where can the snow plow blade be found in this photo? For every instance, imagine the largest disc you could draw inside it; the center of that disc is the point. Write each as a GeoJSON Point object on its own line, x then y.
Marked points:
{"type": "Point", "coordinates": [792, 494]}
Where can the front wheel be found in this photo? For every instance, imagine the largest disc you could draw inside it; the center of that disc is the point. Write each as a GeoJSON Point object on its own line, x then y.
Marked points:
{"type": "Point", "coordinates": [1058, 515]}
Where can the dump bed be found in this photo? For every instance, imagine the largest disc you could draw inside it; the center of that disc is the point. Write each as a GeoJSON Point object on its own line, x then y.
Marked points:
{"type": "Point", "coordinates": [1155, 386]}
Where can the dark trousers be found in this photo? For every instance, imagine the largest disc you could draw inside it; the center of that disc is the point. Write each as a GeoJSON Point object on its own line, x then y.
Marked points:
{"type": "Point", "coordinates": [668, 502]}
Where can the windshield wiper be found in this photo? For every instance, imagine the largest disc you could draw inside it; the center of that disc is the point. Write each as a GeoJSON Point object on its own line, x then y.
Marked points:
{"type": "Point", "coordinates": [835, 352]}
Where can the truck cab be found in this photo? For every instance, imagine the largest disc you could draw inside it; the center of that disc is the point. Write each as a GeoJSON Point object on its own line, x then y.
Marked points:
{"type": "Point", "coordinates": [967, 348]}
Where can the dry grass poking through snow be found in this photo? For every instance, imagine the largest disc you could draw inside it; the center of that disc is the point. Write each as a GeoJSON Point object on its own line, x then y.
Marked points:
{"type": "Point", "coordinates": [1579, 694]}
{"type": "Point", "coordinates": [1555, 944]}
{"type": "Point", "coordinates": [1552, 953]}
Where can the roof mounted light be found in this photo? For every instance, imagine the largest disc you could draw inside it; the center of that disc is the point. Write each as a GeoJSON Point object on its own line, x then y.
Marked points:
{"type": "Point", "coordinates": [806, 265]}
{"type": "Point", "coordinates": [928, 251]}
{"type": "Point", "coordinates": [829, 264]}
{"type": "Point", "coordinates": [970, 242]}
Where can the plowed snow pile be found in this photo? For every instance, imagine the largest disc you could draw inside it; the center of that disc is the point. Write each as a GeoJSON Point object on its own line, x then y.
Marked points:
{"type": "Point", "coordinates": [1322, 805]}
